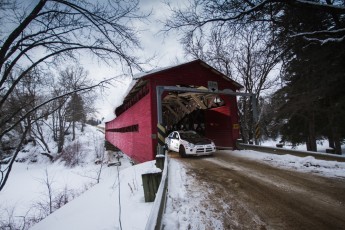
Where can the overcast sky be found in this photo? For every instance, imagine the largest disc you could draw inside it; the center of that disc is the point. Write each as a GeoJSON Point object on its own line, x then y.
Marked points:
{"type": "Point", "coordinates": [166, 48]}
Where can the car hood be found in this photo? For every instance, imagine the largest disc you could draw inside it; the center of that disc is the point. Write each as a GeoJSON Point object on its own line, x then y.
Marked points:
{"type": "Point", "coordinates": [198, 141]}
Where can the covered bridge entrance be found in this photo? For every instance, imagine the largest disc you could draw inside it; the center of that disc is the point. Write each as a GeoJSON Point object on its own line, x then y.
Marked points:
{"type": "Point", "coordinates": [134, 130]}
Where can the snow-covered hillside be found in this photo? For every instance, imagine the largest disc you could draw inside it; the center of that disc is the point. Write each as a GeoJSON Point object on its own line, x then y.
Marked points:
{"type": "Point", "coordinates": [117, 202]}
{"type": "Point", "coordinates": [36, 186]}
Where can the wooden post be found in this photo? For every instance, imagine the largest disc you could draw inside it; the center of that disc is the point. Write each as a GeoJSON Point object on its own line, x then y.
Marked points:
{"type": "Point", "coordinates": [160, 161]}
{"type": "Point", "coordinates": [151, 183]}
{"type": "Point", "coordinates": [330, 150]}
{"type": "Point", "coordinates": [279, 145]}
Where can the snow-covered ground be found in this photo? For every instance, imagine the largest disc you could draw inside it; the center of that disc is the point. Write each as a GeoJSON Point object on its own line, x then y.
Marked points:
{"type": "Point", "coordinates": [25, 197]}
{"type": "Point", "coordinates": [98, 206]}
{"type": "Point", "coordinates": [302, 164]}
{"type": "Point", "coordinates": [190, 204]}
{"type": "Point", "coordinates": [322, 145]}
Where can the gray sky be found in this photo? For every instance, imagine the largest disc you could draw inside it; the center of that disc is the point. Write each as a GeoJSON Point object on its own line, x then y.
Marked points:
{"type": "Point", "coordinates": [166, 49]}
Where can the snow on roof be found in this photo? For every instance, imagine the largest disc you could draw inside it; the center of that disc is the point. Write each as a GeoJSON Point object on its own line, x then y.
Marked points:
{"type": "Point", "coordinates": [143, 74]}
{"type": "Point", "coordinates": [153, 71]}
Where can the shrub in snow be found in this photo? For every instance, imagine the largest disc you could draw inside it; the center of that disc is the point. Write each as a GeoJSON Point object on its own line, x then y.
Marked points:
{"type": "Point", "coordinates": [72, 154]}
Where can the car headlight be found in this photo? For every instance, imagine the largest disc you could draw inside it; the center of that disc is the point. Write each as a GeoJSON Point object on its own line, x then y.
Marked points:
{"type": "Point", "coordinates": [190, 145]}
{"type": "Point", "coordinates": [212, 143]}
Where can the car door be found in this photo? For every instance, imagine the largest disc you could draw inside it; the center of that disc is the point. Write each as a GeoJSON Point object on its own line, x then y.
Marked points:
{"type": "Point", "coordinates": [168, 140]}
{"type": "Point", "coordinates": [175, 142]}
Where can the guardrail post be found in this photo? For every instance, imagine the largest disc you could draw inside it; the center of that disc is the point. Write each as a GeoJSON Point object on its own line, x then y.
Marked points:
{"type": "Point", "coordinates": [151, 183]}
{"type": "Point", "coordinates": [160, 161]}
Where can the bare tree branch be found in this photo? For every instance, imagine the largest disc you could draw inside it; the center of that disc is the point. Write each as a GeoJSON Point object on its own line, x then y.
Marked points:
{"type": "Point", "coordinates": [23, 117]}
{"type": "Point", "coordinates": [231, 13]}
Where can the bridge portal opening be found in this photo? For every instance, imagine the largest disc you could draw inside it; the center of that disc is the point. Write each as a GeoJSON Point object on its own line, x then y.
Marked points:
{"type": "Point", "coordinates": [206, 113]}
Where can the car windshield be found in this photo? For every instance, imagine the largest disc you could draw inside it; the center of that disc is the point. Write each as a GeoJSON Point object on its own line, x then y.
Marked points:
{"type": "Point", "coordinates": [189, 135]}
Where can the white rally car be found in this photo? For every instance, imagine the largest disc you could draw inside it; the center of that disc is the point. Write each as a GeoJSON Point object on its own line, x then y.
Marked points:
{"type": "Point", "coordinates": [189, 143]}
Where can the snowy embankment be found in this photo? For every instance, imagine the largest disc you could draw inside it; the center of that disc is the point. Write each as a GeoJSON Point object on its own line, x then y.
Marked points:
{"type": "Point", "coordinates": [96, 208]}
{"type": "Point", "coordinates": [302, 164]}
{"type": "Point", "coordinates": [100, 207]}
{"type": "Point", "coordinates": [26, 195]}
{"type": "Point", "coordinates": [322, 145]}
{"type": "Point", "coordinates": [37, 187]}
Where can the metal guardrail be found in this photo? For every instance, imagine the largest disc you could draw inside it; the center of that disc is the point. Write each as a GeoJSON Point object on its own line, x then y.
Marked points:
{"type": "Point", "coordinates": [282, 151]}
{"type": "Point", "coordinates": [157, 211]}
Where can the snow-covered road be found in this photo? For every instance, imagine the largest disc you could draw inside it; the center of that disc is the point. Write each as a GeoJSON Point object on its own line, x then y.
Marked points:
{"type": "Point", "coordinates": [229, 191]}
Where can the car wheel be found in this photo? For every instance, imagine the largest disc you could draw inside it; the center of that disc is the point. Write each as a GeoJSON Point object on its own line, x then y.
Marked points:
{"type": "Point", "coordinates": [182, 151]}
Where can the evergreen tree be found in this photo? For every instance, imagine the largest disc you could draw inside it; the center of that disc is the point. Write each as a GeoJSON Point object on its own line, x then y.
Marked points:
{"type": "Point", "coordinates": [75, 111]}
{"type": "Point", "coordinates": [314, 77]}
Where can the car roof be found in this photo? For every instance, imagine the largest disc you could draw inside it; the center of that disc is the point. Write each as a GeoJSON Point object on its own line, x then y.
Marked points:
{"type": "Point", "coordinates": [189, 131]}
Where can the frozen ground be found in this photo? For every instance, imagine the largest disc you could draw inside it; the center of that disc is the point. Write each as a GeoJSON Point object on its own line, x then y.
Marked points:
{"type": "Point", "coordinates": [253, 190]}
{"type": "Point", "coordinates": [25, 197]}
{"type": "Point", "coordinates": [99, 206]}
{"type": "Point", "coordinates": [302, 164]}
{"type": "Point", "coordinates": [322, 145]}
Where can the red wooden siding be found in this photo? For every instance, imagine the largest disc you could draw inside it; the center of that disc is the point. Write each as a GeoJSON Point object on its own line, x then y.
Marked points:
{"type": "Point", "coordinates": [137, 145]}
{"type": "Point", "coordinates": [219, 124]}
{"type": "Point", "coordinates": [197, 75]}
{"type": "Point", "coordinates": [141, 114]}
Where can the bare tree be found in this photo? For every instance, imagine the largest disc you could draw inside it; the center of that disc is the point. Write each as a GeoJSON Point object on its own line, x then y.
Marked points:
{"type": "Point", "coordinates": [247, 55]}
{"type": "Point", "coordinates": [236, 13]}
{"type": "Point", "coordinates": [60, 125]}
{"type": "Point", "coordinates": [48, 182]}
{"type": "Point", "coordinates": [255, 59]}
{"type": "Point", "coordinates": [73, 78]}
{"type": "Point", "coordinates": [55, 30]}
{"type": "Point", "coordinates": [41, 138]}
{"type": "Point", "coordinates": [43, 34]}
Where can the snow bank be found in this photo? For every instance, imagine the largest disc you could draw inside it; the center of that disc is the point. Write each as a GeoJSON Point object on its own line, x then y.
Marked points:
{"type": "Point", "coordinates": [26, 193]}
{"type": "Point", "coordinates": [99, 207]}
{"type": "Point", "coordinates": [322, 145]}
{"type": "Point", "coordinates": [304, 164]}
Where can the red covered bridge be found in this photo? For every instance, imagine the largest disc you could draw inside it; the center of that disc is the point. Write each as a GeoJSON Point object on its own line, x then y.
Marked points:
{"type": "Point", "coordinates": [198, 107]}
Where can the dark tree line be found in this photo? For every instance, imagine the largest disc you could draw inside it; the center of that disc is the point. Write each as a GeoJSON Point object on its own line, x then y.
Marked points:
{"type": "Point", "coordinates": [314, 74]}
{"type": "Point", "coordinates": [306, 37]}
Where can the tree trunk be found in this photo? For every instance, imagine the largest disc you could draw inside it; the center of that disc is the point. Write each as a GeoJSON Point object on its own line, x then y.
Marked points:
{"type": "Point", "coordinates": [73, 130]}
{"type": "Point", "coordinates": [82, 125]}
{"type": "Point", "coordinates": [337, 142]}
{"type": "Point", "coordinates": [5, 173]}
{"type": "Point", "coordinates": [246, 121]}
{"type": "Point", "coordinates": [331, 140]}
{"type": "Point", "coordinates": [55, 127]}
{"type": "Point", "coordinates": [61, 136]}
{"type": "Point", "coordinates": [40, 136]}
{"type": "Point", "coordinates": [311, 142]}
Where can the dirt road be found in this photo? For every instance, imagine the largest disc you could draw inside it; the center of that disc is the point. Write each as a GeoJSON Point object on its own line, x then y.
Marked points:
{"type": "Point", "coordinates": [229, 192]}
